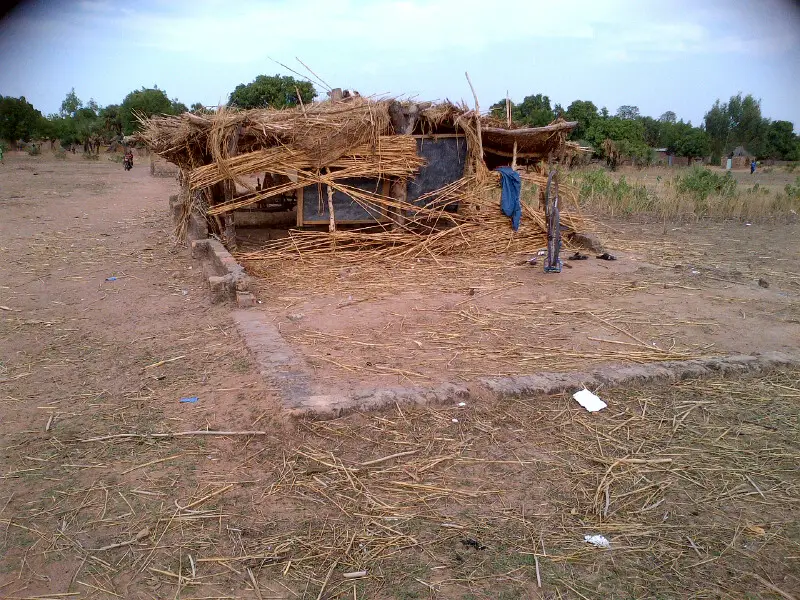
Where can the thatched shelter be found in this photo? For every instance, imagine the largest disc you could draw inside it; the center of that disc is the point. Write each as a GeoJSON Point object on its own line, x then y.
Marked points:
{"type": "Point", "coordinates": [414, 174]}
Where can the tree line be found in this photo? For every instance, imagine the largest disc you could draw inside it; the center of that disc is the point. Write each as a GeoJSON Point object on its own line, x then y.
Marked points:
{"type": "Point", "coordinates": [89, 125]}
{"type": "Point", "coordinates": [726, 126]}
{"type": "Point", "coordinates": [83, 123]}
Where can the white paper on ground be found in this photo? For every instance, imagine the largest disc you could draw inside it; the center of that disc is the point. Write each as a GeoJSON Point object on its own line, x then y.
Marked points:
{"type": "Point", "coordinates": [589, 401]}
{"type": "Point", "coordinates": [598, 541]}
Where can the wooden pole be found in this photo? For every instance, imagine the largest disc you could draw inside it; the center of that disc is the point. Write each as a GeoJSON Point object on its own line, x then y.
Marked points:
{"type": "Point", "coordinates": [477, 115]}
{"type": "Point", "coordinates": [332, 221]}
{"type": "Point", "coordinates": [508, 121]}
{"type": "Point", "coordinates": [230, 190]}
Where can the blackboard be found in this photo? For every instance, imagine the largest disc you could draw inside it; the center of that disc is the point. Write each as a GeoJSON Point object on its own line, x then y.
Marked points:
{"type": "Point", "coordinates": [345, 209]}
{"type": "Point", "coordinates": [445, 158]}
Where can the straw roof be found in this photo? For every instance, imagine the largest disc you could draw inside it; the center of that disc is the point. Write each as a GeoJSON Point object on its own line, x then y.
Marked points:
{"type": "Point", "coordinates": [532, 142]}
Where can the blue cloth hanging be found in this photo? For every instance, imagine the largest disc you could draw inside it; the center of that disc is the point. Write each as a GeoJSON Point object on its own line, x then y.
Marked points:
{"type": "Point", "coordinates": [509, 198]}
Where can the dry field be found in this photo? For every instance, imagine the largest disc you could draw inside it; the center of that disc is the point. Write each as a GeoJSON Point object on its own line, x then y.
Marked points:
{"type": "Point", "coordinates": [695, 484]}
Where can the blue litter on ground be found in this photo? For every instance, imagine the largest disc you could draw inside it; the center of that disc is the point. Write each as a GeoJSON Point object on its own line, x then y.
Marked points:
{"type": "Point", "coordinates": [111, 278]}
{"type": "Point", "coordinates": [191, 400]}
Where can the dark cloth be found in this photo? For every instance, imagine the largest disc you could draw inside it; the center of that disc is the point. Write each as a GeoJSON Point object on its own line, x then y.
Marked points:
{"type": "Point", "coordinates": [509, 198]}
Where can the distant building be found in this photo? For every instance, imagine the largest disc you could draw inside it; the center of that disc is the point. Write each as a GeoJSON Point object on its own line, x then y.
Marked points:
{"type": "Point", "coordinates": [662, 156]}
{"type": "Point", "coordinates": [739, 158]}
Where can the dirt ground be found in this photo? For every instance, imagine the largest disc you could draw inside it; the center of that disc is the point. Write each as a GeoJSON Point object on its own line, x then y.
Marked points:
{"type": "Point", "coordinates": [674, 292]}
{"type": "Point", "coordinates": [695, 484]}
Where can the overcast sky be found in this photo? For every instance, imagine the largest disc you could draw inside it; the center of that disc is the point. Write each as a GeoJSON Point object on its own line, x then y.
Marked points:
{"type": "Point", "coordinates": [660, 56]}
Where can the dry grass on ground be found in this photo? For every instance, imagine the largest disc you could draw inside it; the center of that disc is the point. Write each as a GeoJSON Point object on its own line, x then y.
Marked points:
{"type": "Point", "coordinates": [695, 485]}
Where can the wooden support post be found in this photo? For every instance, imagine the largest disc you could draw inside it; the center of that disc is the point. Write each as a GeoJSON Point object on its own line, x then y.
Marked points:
{"type": "Point", "coordinates": [331, 216]}
{"type": "Point", "coordinates": [477, 116]}
{"type": "Point", "coordinates": [404, 120]}
{"type": "Point", "coordinates": [508, 121]}
{"type": "Point", "coordinates": [398, 190]}
{"type": "Point", "coordinates": [229, 233]}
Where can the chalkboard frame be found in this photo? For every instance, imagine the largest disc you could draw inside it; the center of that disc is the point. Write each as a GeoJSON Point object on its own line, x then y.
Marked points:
{"type": "Point", "coordinates": [324, 217]}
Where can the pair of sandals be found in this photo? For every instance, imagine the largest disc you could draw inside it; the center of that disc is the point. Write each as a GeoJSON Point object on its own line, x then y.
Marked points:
{"type": "Point", "coordinates": [603, 256]}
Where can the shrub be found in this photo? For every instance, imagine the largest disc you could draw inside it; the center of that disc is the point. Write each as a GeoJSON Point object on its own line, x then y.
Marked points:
{"type": "Point", "coordinates": [33, 150]}
{"type": "Point", "coordinates": [793, 189]}
{"type": "Point", "coordinates": [91, 156]}
{"type": "Point", "coordinates": [60, 153]}
{"type": "Point", "coordinates": [701, 183]}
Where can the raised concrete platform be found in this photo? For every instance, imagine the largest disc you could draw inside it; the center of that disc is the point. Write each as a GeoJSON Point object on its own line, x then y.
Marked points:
{"type": "Point", "coordinates": [287, 370]}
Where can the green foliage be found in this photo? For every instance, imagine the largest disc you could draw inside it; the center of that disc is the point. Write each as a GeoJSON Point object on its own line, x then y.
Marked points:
{"type": "Point", "coordinates": [781, 142]}
{"type": "Point", "coordinates": [692, 143]}
{"type": "Point", "coordinates": [793, 190]}
{"type": "Point", "coordinates": [585, 113]}
{"type": "Point", "coordinates": [271, 91]}
{"type": "Point", "coordinates": [146, 102]}
{"type": "Point", "coordinates": [33, 150]}
{"type": "Point", "coordinates": [668, 117]}
{"type": "Point", "coordinates": [654, 132]}
{"type": "Point", "coordinates": [628, 136]}
{"type": "Point", "coordinates": [619, 197]}
{"type": "Point", "coordinates": [628, 112]}
{"type": "Point", "coordinates": [111, 119]}
{"type": "Point", "coordinates": [534, 111]}
{"type": "Point", "coordinates": [19, 120]}
{"type": "Point", "coordinates": [70, 105]}
{"type": "Point", "coordinates": [701, 183]}
{"type": "Point", "coordinates": [199, 109]}
{"type": "Point", "coordinates": [737, 122]}
{"type": "Point", "coordinates": [177, 107]}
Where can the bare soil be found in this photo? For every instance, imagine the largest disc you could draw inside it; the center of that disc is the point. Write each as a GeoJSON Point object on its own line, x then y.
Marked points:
{"type": "Point", "coordinates": [674, 292]}
{"type": "Point", "coordinates": [695, 484]}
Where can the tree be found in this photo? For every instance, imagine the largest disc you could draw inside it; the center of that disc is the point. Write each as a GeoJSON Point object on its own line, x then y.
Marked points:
{"type": "Point", "coordinates": [718, 127]}
{"type": "Point", "coordinates": [654, 131]}
{"type": "Point", "coordinates": [692, 143]}
{"type": "Point", "coordinates": [628, 112]}
{"type": "Point", "coordinates": [533, 111]}
{"type": "Point", "coordinates": [747, 124]}
{"type": "Point", "coordinates": [70, 105]}
{"type": "Point", "coordinates": [627, 135]}
{"type": "Point", "coordinates": [271, 92]}
{"type": "Point", "coordinates": [668, 117]}
{"type": "Point", "coordinates": [19, 120]}
{"type": "Point", "coordinates": [585, 113]}
{"type": "Point", "coordinates": [177, 107]}
{"type": "Point", "coordinates": [146, 102]}
{"type": "Point", "coordinates": [736, 123]}
{"type": "Point", "coordinates": [781, 142]}
{"type": "Point", "coordinates": [111, 119]}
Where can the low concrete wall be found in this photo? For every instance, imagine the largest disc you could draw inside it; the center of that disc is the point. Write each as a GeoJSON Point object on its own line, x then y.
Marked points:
{"type": "Point", "coordinates": [226, 278]}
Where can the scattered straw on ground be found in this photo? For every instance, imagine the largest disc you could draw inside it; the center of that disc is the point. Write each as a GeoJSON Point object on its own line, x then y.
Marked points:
{"type": "Point", "coordinates": [694, 484]}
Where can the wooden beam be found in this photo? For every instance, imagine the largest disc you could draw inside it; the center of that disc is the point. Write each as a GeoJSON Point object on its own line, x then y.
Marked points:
{"type": "Point", "coordinates": [477, 116]}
